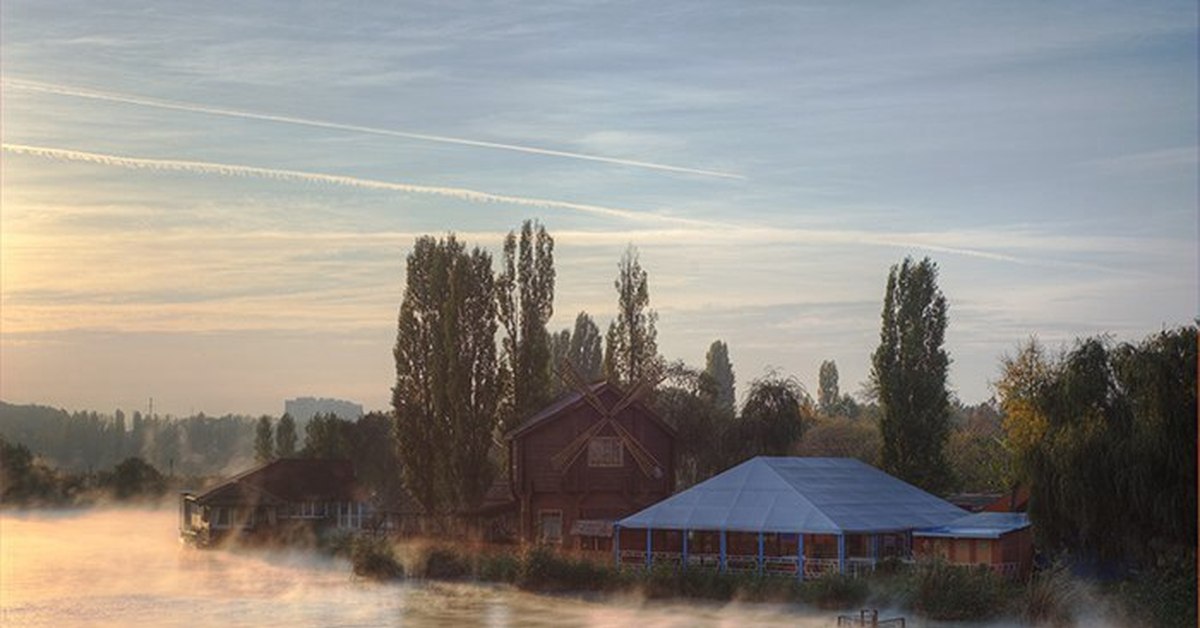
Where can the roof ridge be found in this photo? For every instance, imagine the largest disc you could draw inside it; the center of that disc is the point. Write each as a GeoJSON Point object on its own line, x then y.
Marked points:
{"type": "Point", "coordinates": [797, 492]}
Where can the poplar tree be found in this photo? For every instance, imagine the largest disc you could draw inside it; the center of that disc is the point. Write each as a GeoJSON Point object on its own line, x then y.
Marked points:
{"type": "Point", "coordinates": [720, 369]}
{"type": "Point", "coordinates": [264, 440]}
{"type": "Point", "coordinates": [909, 377]}
{"type": "Point", "coordinates": [828, 394]}
{"type": "Point", "coordinates": [285, 437]}
{"type": "Point", "coordinates": [525, 300]}
{"type": "Point", "coordinates": [586, 351]}
{"type": "Point", "coordinates": [631, 344]}
{"type": "Point", "coordinates": [447, 391]}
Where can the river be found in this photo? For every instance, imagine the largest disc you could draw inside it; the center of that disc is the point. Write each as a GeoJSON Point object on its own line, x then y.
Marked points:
{"type": "Point", "coordinates": [126, 567]}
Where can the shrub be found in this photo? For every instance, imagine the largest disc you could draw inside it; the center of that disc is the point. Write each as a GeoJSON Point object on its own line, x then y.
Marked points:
{"type": "Point", "coordinates": [446, 563]}
{"type": "Point", "coordinates": [1050, 597]}
{"type": "Point", "coordinates": [543, 569]}
{"type": "Point", "coordinates": [833, 591]}
{"type": "Point", "coordinates": [373, 557]}
{"type": "Point", "coordinates": [499, 567]}
{"type": "Point", "coordinates": [1164, 596]}
{"type": "Point", "coordinates": [957, 593]}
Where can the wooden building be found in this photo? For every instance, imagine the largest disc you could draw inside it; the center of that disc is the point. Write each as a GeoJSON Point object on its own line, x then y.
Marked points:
{"type": "Point", "coordinates": [1002, 541]}
{"type": "Point", "coordinates": [590, 458]}
{"type": "Point", "coordinates": [278, 500]}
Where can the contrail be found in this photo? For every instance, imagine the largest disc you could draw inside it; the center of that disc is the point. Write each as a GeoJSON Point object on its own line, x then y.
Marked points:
{"type": "Point", "coordinates": [67, 90]}
{"type": "Point", "coordinates": [234, 170]}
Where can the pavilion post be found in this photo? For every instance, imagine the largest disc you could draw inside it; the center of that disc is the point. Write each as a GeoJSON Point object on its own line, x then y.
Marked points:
{"type": "Point", "coordinates": [684, 562]}
{"type": "Point", "coordinates": [649, 549]}
{"type": "Point", "coordinates": [617, 546]}
{"type": "Point", "coordinates": [721, 564]}
{"type": "Point", "coordinates": [760, 553]}
{"type": "Point", "coordinates": [800, 556]}
{"type": "Point", "coordinates": [841, 540]}
{"type": "Point", "coordinates": [874, 550]}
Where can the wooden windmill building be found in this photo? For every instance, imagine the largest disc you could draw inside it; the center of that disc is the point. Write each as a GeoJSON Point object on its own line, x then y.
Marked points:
{"type": "Point", "coordinates": [593, 456]}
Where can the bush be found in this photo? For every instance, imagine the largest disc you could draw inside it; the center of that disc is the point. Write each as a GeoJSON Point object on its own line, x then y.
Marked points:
{"type": "Point", "coordinates": [956, 593]}
{"type": "Point", "coordinates": [543, 569]}
{"type": "Point", "coordinates": [373, 557]}
{"type": "Point", "coordinates": [499, 567]}
{"type": "Point", "coordinates": [834, 591]}
{"type": "Point", "coordinates": [1050, 597]}
{"type": "Point", "coordinates": [1164, 596]}
{"type": "Point", "coordinates": [445, 563]}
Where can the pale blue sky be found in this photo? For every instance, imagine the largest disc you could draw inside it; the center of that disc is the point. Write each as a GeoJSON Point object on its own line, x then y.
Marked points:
{"type": "Point", "coordinates": [770, 161]}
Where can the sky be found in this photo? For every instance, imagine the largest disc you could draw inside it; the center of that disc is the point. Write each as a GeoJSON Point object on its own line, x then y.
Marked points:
{"type": "Point", "coordinates": [211, 203]}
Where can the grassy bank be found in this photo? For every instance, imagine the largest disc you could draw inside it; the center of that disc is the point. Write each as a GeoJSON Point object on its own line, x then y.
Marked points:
{"type": "Point", "coordinates": [933, 590]}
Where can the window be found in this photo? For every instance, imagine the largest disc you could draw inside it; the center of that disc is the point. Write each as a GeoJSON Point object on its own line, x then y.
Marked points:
{"type": "Point", "coordinates": [551, 525]}
{"type": "Point", "coordinates": [606, 451]}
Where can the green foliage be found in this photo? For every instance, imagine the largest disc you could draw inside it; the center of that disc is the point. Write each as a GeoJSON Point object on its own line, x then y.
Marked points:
{"type": "Point", "coordinates": [955, 593]}
{"type": "Point", "coordinates": [499, 567]}
{"type": "Point", "coordinates": [1107, 442]}
{"type": "Point", "coordinates": [24, 480]}
{"type": "Point", "coordinates": [525, 300]}
{"type": "Point", "coordinates": [586, 350]}
{"type": "Point", "coordinates": [1050, 597]}
{"type": "Point", "coordinates": [285, 437]}
{"type": "Point", "coordinates": [718, 367]}
{"type": "Point", "coordinates": [842, 437]}
{"type": "Point", "coordinates": [908, 373]}
{"type": "Point", "coordinates": [827, 387]}
{"type": "Point", "coordinates": [774, 417]}
{"type": "Point", "coordinates": [631, 344]}
{"type": "Point", "coordinates": [134, 477]}
{"type": "Point", "coordinates": [1164, 595]}
{"type": "Point", "coordinates": [328, 436]}
{"type": "Point", "coordinates": [264, 440]}
{"type": "Point", "coordinates": [448, 388]}
{"type": "Point", "coordinates": [446, 563]}
{"type": "Point", "coordinates": [835, 591]}
{"type": "Point", "coordinates": [544, 569]}
{"type": "Point", "coordinates": [373, 557]}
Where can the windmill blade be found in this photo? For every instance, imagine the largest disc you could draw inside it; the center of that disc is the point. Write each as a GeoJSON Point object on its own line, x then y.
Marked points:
{"type": "Point", "coordinates": [573, 378]}
{"type": "Point", "coordinates": [567, 456]}
{"type": "Point", "coordinates": [645, 460]}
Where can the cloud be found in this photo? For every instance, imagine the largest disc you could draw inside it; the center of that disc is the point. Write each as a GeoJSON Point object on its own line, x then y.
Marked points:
{"type": "Point", "coordinates": [67, 90]}
{"type": "Point", "coordinates": [235, 170]}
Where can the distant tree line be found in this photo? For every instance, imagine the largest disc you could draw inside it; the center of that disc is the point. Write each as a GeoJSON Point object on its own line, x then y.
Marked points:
{"type": "Point", "coordinates": [26, 480]}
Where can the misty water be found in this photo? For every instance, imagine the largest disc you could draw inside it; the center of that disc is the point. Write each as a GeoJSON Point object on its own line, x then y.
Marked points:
{"type": "Point", "coordinates": [127, 568]}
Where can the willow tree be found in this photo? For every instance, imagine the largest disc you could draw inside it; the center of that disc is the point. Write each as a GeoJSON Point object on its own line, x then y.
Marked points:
{"type": "Point", "coordinates": [909, 370]}
{"type": "Point", "coordinates": [631, 344]}
{"type": "Point", "coordinates": [525, 300]}
{"type": "Point", "coordinates": [447, 390]}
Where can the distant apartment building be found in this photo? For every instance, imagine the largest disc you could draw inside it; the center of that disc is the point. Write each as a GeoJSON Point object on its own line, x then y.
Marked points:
{"type": "Point", "coordinates": [304, 408]}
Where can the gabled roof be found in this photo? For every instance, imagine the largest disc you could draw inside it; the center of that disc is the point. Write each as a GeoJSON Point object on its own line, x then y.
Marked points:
{"type": "Point", "coordinates": [980, 525]}
{"type": "Point", "coordinates": [805, 495]}
{"type": "Point", "coordinates": [569, 400]}
{"type": "Point", "coordinates": [287, 480]}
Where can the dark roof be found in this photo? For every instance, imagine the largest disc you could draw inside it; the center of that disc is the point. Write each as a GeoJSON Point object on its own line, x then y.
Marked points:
{"type": "Point", "coordinates": [572, 398]}
{"type": "Point", "coordinates": [497, 499]}
{"type": "Point", "coordinates": [287, 480]}
{"type": "Point", "coordinates": [973, 502]}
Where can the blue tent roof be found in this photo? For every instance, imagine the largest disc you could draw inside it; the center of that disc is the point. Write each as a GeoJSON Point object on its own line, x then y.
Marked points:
{"type": "Point", "coordinates": [806, 495]}
{"type": "Point", "coordinates": [980, 525]}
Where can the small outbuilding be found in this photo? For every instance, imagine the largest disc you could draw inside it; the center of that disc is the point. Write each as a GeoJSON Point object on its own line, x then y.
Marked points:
{"type": "Point", "coordinates": [1002, 541]}
{"type": "Point", "coordinates": [801, 516]}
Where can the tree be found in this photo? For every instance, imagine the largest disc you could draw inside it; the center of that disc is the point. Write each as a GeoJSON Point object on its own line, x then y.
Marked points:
{"type": "Point", "coordinates": [827, 388]}
{"type": "Point", "coordinates": [720, 369]}
{"type": "Point", "coordinates": [327, 436]}
{"type": "Point", "coordinates": [525, 300]}
{"type": "Point", "coordinates": [285, 437]}
{"type": "Point", "coordinates": [688, 400]}
{"type": "Point", "coordinates": [774, 417]}
{"type": "Point", "coordinates": [264, 440]}
{"type": "Point", "coordinates": [631, 344]}
{"type": "Point", "coordinates": [448, 388]}
{"type": "Point", "coordinates": [1106, 439]}
{"type": "Point", "coordinates": [909, 377]}
{"type": "Point", "coordinates": [134, 477]}
{"type": "Point", "coordinates": [586, 349]}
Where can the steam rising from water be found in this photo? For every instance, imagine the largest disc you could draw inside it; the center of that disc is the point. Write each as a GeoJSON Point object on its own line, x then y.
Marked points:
{"type": "Point", "coordinates": [127, 568]}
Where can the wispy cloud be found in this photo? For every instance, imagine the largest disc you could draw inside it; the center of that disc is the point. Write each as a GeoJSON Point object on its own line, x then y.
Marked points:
{"type": "Point", "coordinates": [236, 170]}
{"type": "Point", "coordinates": [130, 99]}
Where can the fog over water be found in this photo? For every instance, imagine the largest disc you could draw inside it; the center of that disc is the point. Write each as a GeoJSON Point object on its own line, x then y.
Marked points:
{"type": "Point", "coordinates": [123, 567]}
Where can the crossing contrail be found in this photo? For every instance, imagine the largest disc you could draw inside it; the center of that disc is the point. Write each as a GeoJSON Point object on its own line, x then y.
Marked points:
{"type": "Point", "coordinates": [77, 92]}
{"type": "Point", "coordinates": [235, 170]}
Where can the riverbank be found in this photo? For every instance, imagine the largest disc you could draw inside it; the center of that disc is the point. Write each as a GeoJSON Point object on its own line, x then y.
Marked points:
{"type": "Point", "coordinates": [930, 590]}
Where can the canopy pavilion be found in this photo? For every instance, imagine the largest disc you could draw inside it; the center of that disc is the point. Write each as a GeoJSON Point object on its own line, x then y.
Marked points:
{"type": "Point", "coordinates": [801, 516]}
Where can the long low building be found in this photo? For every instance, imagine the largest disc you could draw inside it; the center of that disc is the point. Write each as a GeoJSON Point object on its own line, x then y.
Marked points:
{"type": "Point", "coordinates": [803, 516]}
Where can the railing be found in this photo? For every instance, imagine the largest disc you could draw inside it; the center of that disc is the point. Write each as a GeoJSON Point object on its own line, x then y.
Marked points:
{"type": "Point", "coordinates": [817, 567]}
{"type": "Point", "coordinates": [773, 565]}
